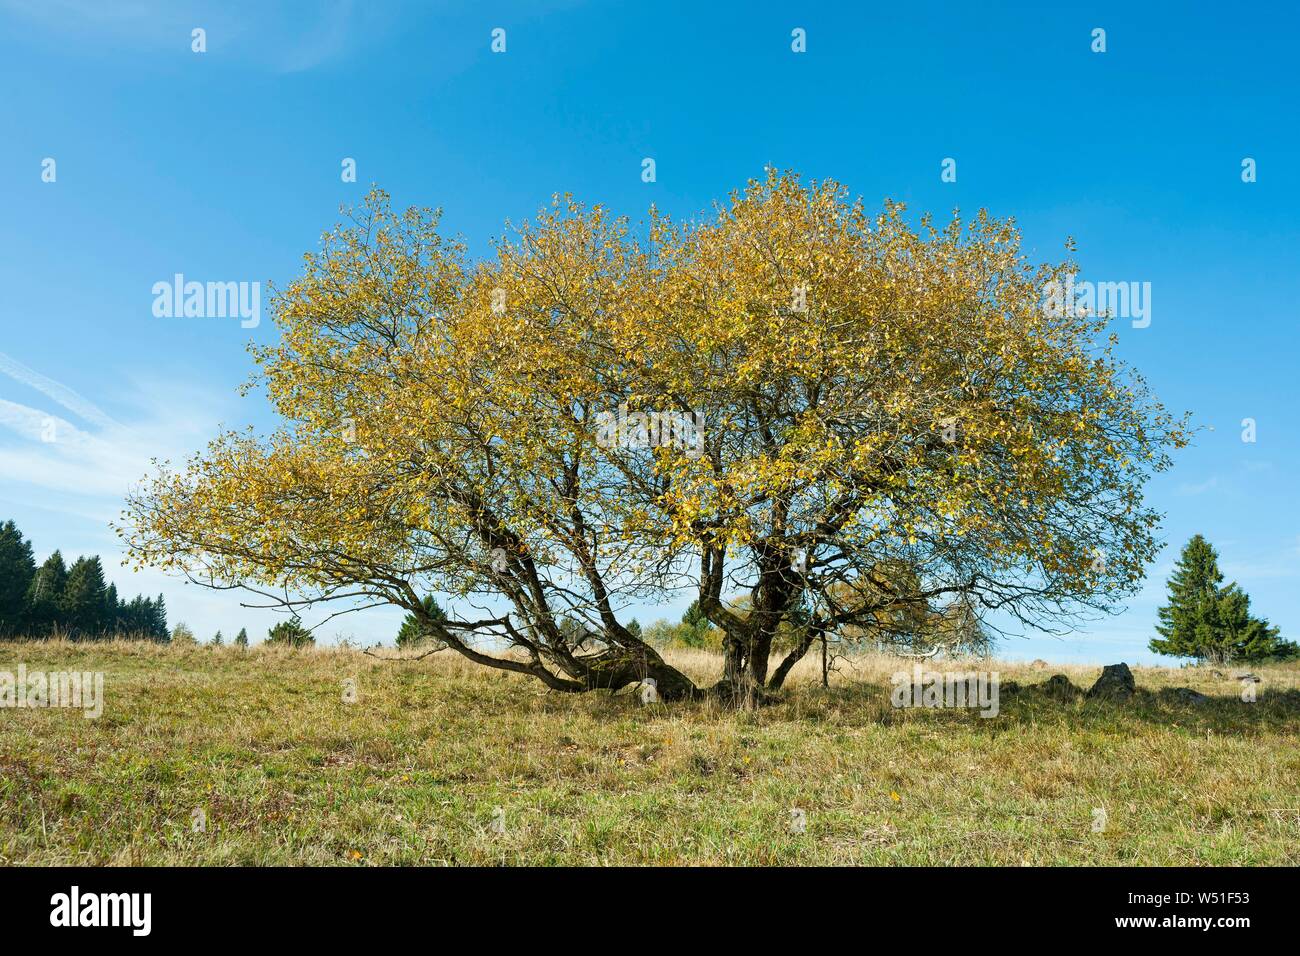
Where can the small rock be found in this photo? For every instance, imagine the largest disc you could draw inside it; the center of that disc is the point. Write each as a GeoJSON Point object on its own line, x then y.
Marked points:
{"type": "Point", "coordinates": [1115, 683]}
{"type": "Point", "coordinates": [1217, 675]}
{"type": "Point", "coordinates": [1250, 677]}
{"type": "Point", "coordinates": [1058, 687]}
{"type": "Point", "coordinates": [1039, 662]}
{"type": "Point", "coordinates": [1188, 696]}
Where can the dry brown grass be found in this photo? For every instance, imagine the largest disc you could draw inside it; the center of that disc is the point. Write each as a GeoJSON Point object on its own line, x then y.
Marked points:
{"type": "Point", "coordinates": [286, 772]}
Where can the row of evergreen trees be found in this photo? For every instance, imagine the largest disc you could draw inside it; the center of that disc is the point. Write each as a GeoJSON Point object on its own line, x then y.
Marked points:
{"type": "Point", "coordinates": [76, 602]}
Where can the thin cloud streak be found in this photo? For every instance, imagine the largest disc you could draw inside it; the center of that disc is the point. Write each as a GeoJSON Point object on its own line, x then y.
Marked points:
{"type": "Point", "coordinates": [104, 462]}
{"type": "Point", "coordinates": [65, 396]}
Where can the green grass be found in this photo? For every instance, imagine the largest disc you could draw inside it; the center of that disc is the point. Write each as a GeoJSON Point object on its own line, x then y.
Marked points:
{"type": "Point", "coordinates": [288, 773]}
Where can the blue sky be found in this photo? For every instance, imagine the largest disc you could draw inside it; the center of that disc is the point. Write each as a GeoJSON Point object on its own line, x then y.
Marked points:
{"type": "Point", "coordinates": [225, 165]}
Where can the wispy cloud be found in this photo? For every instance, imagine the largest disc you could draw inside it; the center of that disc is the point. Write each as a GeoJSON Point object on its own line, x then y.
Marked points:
{"type": "Point", "coordinates": [143, 20]}
{"type": "Point", "coordinates": [66, 476]}
{"type": "Point", "coordinates": [96, 459]}
{"type": "Point", "coordinates": [326, 40]}
{"type": "Point", "coordinates": [57, 391]}
{"type": "Point", "coordinates": [1283, 566]}
{"type": "Point", "coordinates": [1199, 488]}
{"type": "Point", "coordinates": [288, 40]}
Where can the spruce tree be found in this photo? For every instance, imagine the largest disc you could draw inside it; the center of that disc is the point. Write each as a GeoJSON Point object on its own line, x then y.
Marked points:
{"type": "Point", "coordinates": [111, 614]}
{"type": "Point", "coordinates": [412, 631]}
{"type": "Point", "coordinates": [158, 621]}
{"type": "Point", "coordinates": [45, 597]}
{"type": "Point", "coordinates": [17, 568]}
{"type": "Point", "coordinates": [83, 598]}
{"type": "Point", "coordinates": [134, 618]}
{"type": "Point", "coordinates": [41, 602]}
{"type": "Point", "coordinates": [241, 639]}
{"type": "Point", "coordinates": [218, 640]}
{"type": "Point", "coordinates": [694, 617]}
{"type": "Point", "coordinates": [291, 633]}
{"type": "Point", "coordinates": [1209, 622]}
{"type": "Point", "coordinates": [695, 626]}
{"type": "Point", "coordinates": [1246, 637]}
{"type": "Point", "coordinates": [1187, 623]}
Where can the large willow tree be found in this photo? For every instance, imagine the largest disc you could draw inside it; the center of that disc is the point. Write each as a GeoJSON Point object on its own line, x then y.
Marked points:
{"type": "Point", "coordinates": [889, 423]}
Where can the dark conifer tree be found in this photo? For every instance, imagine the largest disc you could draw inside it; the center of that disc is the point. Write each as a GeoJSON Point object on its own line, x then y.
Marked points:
{"type": "Point", "coordinates": [111, 614]}
{"type": "Point", "coordinates": [158, 621]}
{"type": "Point", "coordinates": [411, 631]}
{"type": "Point", "coordinates": [1210, 622]}
{"type": "Point", "coordinates": [83, 599]}
{"type": "Point", "coordinates": [17, 568]}
{"type": "Point", "coordinates": [45, 597]}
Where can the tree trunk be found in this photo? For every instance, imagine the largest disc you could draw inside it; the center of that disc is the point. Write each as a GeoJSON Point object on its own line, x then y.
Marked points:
{"type": "Point", "coordinates": [760, 651]}
{"type": "Point", "coordinates": [795, 655]}
{"type": "Point", "coordinates": [615, 668]}
{"type": "Point", "coordinates": [733, 658]}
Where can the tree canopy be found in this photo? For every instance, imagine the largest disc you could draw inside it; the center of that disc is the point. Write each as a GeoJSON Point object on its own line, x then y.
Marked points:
{"type": "Point", "coordinates": [787, 402]}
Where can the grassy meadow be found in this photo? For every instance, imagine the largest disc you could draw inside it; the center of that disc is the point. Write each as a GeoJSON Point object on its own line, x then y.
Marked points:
{"type": "Point", "coordinates": [285, 771]}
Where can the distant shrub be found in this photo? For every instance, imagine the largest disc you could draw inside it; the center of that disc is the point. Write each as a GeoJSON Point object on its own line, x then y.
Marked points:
{"type": "Point", "coordinates": [290, 633]}
{"type": "Point", "coordinates": [663, 634]}
{"type": "Point", "coordinates": [412, 631]}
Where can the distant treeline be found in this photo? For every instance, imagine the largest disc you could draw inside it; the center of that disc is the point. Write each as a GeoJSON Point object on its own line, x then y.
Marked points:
{"type": "Point", "coordinates": [74, 602]}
